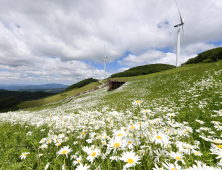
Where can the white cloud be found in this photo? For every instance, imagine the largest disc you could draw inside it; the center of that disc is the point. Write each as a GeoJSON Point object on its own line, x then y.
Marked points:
{"type": "Point", "coordinates": [48, 70]}
{"type": "Point", "coordinates": [142, 59]}
{"type": "Point", "coordinates": [122, 69]}
{"type": "Point", "coordinates": [32, 32]}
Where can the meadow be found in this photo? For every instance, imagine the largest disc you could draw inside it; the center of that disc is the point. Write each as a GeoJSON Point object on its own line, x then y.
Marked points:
{"type": "Point", "coordinates": [167, 120]}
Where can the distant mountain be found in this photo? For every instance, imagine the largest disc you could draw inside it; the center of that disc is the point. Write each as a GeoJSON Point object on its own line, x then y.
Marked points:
{"type": "Point", "coordinates": [53, 90]}
{"type": "Point", "coordinates": [44, 87]}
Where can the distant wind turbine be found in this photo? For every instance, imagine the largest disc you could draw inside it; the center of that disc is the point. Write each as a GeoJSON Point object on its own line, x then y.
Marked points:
{"type": "Point", "coordinates": [178, 36]}
{"type": "Point", "coordinates": [104, 59]}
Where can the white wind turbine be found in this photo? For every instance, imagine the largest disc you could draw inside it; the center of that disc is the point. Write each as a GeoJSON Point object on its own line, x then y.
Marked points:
{"type": "Point", "coordinates": [104, 59]}
{"type": "Point", "coordinates": [178, 36]}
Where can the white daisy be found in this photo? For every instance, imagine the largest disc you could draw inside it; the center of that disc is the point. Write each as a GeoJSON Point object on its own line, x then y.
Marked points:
{"type": "Point", "coordinates": [160, 138]}
{"type": "Point", "coordinates": [81, 167]}
{"type": "Point", "coordinates": [64, 151]}
{"type": "Point", "coordinates": [92, 154]}
{"type": "Point", "coordinates": [23, 156]}
{"type": "Point", "coordinates": [130, 158]}
{"type": "Point", "coordinates": [116, 143]}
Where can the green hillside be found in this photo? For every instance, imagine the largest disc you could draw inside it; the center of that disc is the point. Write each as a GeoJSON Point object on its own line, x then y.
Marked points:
{"type": "Point", "coordinates": [9, 99]}
{"type": "Point", "coordinates": [208, 56]}
{"type": "Point", "coordinates": [57, 97]}
{"type": "Point", "coordinates": [166, 120]}
{"type": "Point", "coordinates": [80, 84]}
{"type": "Point", "coordinates": [143, 70]}
{"type": "Point", "coordinates": [24, 95]}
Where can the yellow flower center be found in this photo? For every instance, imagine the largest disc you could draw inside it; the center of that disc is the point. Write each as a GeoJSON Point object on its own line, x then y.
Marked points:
{"type": "Point", "coordinates": [104, 142]}
{"type": "Point", "coordinates": [78, 160]}
{"type": "Point", "coordinates": [106, 137]}
{"type": "Point", "coordinates": [216, 141]}
{"type": "Point", "coordinates": [132, 127]}
{"type": "Point", "coordinates": [137, 101]}
{"type": "Point", "coordinates": [93, 154]}
{"type": "Point", "coordinates": [177, 157]}
{"type": "Point", "coordinates": [219, 146]}
{"type": "Point", "coordinates": [25, 154]}
{"type": "Point", "coordinates": [139, 123]}
{"type": "Point", "coordinates": [83, 133]}
{"type": "Point", "coordinates": [116, 145]}
{"type": "Point", "coordinates": [59, 144]}
{"type": "Point", "coordinates": [120, 134]}
{"type": "Point", "coordinates": [130, 161]}
{"type": "Point", "coordinates": [196, 153]}
{"type": "Point", "coordinates": [129, 142]}
{"type": "Point", "coordinates": [145, 111]}
{"type": "Point", "coordinates": [64, 152]}
{"type": "Point", "coordinates": [159, 137]}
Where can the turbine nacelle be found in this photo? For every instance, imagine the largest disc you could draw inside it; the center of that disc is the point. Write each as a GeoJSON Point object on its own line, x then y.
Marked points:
{"type": "Point", "coordinates": [181, 24]}
{"type": "Point", "coordinates": [104, 59]}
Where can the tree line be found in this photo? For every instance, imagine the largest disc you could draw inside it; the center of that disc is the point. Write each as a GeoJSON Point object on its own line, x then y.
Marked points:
{"type": "Point", "coordinates": [80, 84]}
{"type": "Point", "coordinates": [143, 70]}
{"type": "Point", "coordinates": [208, 56]}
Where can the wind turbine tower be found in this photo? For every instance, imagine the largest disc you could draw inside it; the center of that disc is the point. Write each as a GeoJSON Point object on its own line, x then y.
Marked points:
{"type": "Point", "coordinates": [178, 36]}
{"type": "Point", "coordinates": [104, 59]}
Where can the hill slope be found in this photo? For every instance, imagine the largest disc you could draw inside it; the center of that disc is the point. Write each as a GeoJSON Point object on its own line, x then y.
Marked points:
{"type": "Point", "coordinates": [24, 95]}
{"type": "Point", "coordinates": [57, 97]}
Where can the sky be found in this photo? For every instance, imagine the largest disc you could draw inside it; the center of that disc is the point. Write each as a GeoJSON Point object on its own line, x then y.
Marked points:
{"type": "Point", "coordinates": [54, 41]}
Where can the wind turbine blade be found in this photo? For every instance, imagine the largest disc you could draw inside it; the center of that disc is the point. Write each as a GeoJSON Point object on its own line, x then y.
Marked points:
{"type": "Point", "coordinates": [105, 49]}
{"type": "Point", "coordinates": [108, 58]}
{"type": "Point", "coordinates": [183, 30]}
{"type": "Point", "coordinates": [181, 20]}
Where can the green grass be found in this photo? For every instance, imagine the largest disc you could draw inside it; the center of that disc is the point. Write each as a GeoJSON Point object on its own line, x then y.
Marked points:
{"type": "Point", "coordinates": [191, 92]}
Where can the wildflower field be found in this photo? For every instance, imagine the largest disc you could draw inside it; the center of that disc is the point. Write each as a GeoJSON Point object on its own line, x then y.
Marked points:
{"type": "Point", "coordinates": [170, 121]}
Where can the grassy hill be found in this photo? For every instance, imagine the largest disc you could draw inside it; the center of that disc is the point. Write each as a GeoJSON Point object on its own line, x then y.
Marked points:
{"type": "Point", "coordinates": [143, 70]}
{"type": "Point", "coordinates": [57, 97]}
{"type": "Point", "coordinates": [209, 56]}
{"type": "Point", "coordinates": [169, 120]}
